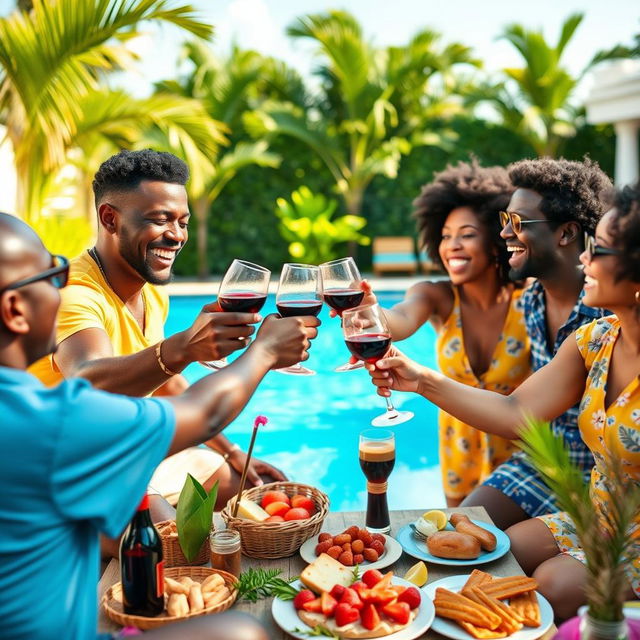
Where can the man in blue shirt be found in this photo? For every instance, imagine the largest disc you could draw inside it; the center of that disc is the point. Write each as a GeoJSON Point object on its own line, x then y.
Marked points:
{"type": "Point", "coordinates": [75, 462]}
{"type": "Point", "coordinates": [554, 204]}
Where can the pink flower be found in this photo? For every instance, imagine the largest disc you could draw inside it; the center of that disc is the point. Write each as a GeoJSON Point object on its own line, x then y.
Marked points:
{"type": "Point", "coordinates": [259, 421]}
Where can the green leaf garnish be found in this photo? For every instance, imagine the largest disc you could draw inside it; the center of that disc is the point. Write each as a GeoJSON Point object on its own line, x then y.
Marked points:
{"type": "Point", "coordinates": [318, 630]}
{"type": "Point", "coordinates": [263, 583]}
{"type": "Point", "coordinates": [193, 516]}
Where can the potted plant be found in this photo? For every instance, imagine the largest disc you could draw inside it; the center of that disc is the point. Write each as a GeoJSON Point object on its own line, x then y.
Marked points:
{"type": "Point", "coordinates": [605, 534]}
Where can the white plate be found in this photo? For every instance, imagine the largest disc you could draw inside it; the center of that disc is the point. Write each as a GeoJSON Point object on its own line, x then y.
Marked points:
{"type": "Point", "coordinates": [392, 552]}
{"type": "Point", "coordinates": [287, 618]}
{"type": "Point", "coordinates": [452, 630]}
{"type": "Point", "coordinates": [418, 548]}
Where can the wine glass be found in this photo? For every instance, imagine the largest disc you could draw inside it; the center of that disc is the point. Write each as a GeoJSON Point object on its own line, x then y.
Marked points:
{"type": "Point", "coordinates": [367, 336]}
{"type": "Point", "coordinates": [341, 286]}
{"type": "Point", "coordinates": [299, 294]}
{"type": "Point", "coordinates": [244, 290]}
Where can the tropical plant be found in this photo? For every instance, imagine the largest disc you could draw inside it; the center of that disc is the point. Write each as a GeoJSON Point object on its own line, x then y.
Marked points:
{"type": "Point", "coordinates": [605, 535]}
{"type": "Point", "coordinates": [371, 105]}
{"type": "Point", "coordinates": [223, 87]}
{"type": "Point", "coordinates": [51, 60]}
{"type": "Point", "coordinates": [536, 100]}
{"type": "Point", "coordinates": [308, 225]}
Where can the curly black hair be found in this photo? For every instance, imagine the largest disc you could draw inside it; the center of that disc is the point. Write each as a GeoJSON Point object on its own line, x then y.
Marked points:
{"type": "Point", "coordinates": [485, 190]}
{"type": "Point", "coordinates": [571, 191]}
{"type": "Point", "coordinates": [127, 169]}
{"type": "Point", "coordinates": [625, 231]}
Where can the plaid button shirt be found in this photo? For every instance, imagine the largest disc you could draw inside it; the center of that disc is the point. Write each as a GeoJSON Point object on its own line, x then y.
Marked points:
{"type": "Point", "coordinates": [533, 302]}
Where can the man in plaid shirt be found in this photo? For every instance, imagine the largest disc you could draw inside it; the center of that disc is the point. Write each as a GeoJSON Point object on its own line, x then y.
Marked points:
{"type": "Point", "coordinates": [554, 203]}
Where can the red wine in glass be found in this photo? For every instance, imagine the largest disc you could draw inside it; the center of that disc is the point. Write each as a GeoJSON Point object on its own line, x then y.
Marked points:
{"type": "Point", "coordinates": [369, 347]}
{"type": "Point", "coordinates": [242, 301]}
{"type": "Point", "coordinates": [341, 299]}
{"type": "Point", "coordinates": [290, 308]}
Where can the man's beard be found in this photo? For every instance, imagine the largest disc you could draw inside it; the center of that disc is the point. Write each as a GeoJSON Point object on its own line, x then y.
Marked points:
{"type": "Point", "coordinates": [533, 268]}
{"type": "Point", "coordinates": [140, 266]}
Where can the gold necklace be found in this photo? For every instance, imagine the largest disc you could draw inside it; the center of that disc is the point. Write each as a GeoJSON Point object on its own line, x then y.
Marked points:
{"type": "Point", "coordinates": [96, 258]}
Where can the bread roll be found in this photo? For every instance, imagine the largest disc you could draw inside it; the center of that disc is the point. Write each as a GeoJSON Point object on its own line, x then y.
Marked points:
{"type": "Point", "coordinates": [196, 601]}
{"type": "Point", "coordinates": [177, 605]}
{"type": "Point", "coordinates": [452, 544]}
{"type": "Point", "coordinates": [463, 525]}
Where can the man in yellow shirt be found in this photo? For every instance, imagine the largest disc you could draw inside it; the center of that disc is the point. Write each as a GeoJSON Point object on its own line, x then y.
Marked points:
{"type": "Point", "coordinates": [110, 323]}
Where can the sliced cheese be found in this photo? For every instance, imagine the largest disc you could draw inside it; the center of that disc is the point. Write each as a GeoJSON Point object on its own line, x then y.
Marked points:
{"type": "Point", "coordinates": [250, 510]}
{"type": "Point", "coordinates": [324, 573]}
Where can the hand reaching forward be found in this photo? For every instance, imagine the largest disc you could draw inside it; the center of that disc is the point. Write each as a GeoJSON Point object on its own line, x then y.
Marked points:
{"type": "Point", "coordinates": [395, 372]}
{"type": "Point", "coordinates": [287, 340]}
{"type": "Point", "coordinates": [369, 297]}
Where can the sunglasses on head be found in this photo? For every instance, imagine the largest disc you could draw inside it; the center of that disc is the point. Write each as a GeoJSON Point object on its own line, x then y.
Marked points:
{"type": "Point", "coordinates": [516, 221]}
{"type": "Point", "coordinates": [57, 275]}
{"type": "Point", "coordinates": [592, 249]}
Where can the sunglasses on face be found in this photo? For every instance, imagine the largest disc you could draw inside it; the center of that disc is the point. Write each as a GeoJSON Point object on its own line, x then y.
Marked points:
{"type": "Point", "coordinates": [57, 275]}
{"type": "Point", "coordinates": [592, 249]}
{"type": "Point", "coordinates": [516, 221]}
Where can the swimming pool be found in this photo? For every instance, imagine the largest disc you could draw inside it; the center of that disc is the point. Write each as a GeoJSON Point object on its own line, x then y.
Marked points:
{"type": "Point", "coordinates": [314, 421]}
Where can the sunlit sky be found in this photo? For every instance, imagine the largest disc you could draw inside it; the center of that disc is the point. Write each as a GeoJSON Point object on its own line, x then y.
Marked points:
{"type": "Point", "coordinates": [260, 24]}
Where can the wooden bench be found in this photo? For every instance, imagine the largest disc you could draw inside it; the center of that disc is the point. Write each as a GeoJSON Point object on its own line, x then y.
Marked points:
{"type": "Point", "coordinates": [394, 253]}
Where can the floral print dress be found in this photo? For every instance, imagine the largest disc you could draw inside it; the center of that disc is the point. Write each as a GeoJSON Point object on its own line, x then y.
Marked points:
{"type": "Point", "coordinates": [467, 455]}
{"type": "Point", "coordinates": [602, 428]}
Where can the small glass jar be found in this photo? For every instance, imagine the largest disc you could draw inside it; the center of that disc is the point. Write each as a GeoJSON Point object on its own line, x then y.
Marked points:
{"type": "Point", "coordinates": [225, 551]}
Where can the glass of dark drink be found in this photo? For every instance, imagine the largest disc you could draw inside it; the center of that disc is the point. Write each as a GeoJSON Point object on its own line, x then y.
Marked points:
{"type": "Point", "coordinates": [377, 453]}
{"type": "Point", "coordinates": [299, 294]}
{"type": "Point", "coordinates": [367, 336]}
{"type": "Point", "coordinates": [341, 286]}
{"type": "Point", "coordinates": [244, 290]}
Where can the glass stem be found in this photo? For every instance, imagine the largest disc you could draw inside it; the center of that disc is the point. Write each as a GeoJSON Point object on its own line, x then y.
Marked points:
{"type": "Point", "coordinates": [390, 407]}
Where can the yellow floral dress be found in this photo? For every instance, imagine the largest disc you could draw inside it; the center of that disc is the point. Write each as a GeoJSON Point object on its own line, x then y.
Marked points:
{"type": "Point", "coordinates": [601, 428]}
{"type": "Point", "coordinates": [467, 455]}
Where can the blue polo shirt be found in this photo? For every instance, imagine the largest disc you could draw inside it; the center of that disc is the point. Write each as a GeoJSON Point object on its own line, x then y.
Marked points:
{"type": "Point", "coordinates": [74, 463]}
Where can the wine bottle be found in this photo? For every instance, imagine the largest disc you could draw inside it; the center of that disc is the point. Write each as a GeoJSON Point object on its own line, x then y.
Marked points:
{"type": "Point", "coordinates": [141, 565]}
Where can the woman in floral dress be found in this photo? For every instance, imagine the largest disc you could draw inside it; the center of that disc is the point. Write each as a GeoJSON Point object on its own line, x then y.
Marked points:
{"type": "Point", "coordinates": [600, 364]}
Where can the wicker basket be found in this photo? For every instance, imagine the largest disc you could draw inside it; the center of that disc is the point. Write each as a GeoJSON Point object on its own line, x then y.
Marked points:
{"type": "Point", "coordinates": [277, 539]}
{"type": "Point", "coordinates": [171, 550]}
{"type": "Point", "coordinates": [112, 600]}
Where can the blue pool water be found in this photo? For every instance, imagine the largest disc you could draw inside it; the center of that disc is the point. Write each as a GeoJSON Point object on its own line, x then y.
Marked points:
{"type": "Point", "coordinates": [314, 421]}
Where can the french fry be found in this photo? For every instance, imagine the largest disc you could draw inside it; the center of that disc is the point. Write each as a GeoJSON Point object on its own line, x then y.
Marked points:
{"type": "Point", "coordinates": [459, 608]}
{"type": "Point", "coordinates": [173, 586]}
{"type": "Point", "coordinates": [502, 588]}
{"type": "Point", "coordinates": [527, 607]}
{"type": "Point", "coordinates": [481, 633]}
{"type": "Point", "coordinates": [511, 622]}
{"type": "Point", "coordinates": [477, 578]}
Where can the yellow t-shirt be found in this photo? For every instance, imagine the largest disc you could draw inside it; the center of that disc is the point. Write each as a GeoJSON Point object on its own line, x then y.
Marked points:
{"type": "Point", "coordinates": [88, 302]}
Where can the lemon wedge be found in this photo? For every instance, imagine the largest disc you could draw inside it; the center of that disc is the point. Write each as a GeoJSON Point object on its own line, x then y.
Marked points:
{"type": "Point", "coordinates": [417, 574]}
{"type": "Point", "coordinates": [438, 518]}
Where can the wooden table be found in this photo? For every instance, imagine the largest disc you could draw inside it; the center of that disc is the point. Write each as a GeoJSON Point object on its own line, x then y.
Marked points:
{"type": "Point", "coordinates": [292, 566]}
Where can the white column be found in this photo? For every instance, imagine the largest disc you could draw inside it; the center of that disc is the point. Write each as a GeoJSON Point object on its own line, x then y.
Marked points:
{"type": "Point", "coordinates": [627, 152]}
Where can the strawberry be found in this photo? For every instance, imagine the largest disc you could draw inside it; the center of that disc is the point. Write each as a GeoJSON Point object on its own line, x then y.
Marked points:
{"type": "Point", "coordinates": [346, 614]}
{"type": "Point", "coordinates": [334, 551]}
{"type": "Point", "coordinates": [328, 603]}
{"type": "Point", "coordinates": [323, 547]}
{"type": "Point", "coordinates": [352, 531]}
{"type": "Point", "coordinates": [303, 596]}
{"type": "Point", "coordinates": [398, 611]}
{"type": "Point", "coordinates": [351, 598]}
{"type": "Point", "coordinates": [358, 558]}
{"type": "Point", "coordinates": [337, 591]}
{"type": "Point", "coordinates": [380, 538]}
{"type": "Point", "coordinates": [314, 606]}
{"type": "Point", "coordinates": [377, 546]}
{"type": "Point", "coordinates": [361, 589]}
{"type": "Point", "coordinates": [365, 536]}
{"type": "Point", "coordinates": [382, 596]}
{"type": "Point", "coordinates": [323, 537]}
{"type": "Point", "coordinates": [346, 558]}
{"type": "Point", "coordinates": [411, 596]}
{"type": "Point", "coordinates": [370, 554]}
{"type": "Point", "coordinates": [370, 618]}
{"type": "Point", "coordinates": [371, 577]}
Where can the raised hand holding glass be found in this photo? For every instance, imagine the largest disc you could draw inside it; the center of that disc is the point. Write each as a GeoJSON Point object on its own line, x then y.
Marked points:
{"type": "Point", "coordinates": [243, 290]}
{"type": "Point", "coordinates": [367, 336]}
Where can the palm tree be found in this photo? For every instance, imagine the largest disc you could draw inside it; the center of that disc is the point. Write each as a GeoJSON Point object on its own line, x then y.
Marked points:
{"type": "Point", "coordinates": [225, 87]}
{"type": "Point", "coordinates": [52, 60]}
{"type": "Point", "coordinates": [372, 103]}
{"type": "Point", "coordinates": [536, 99]}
